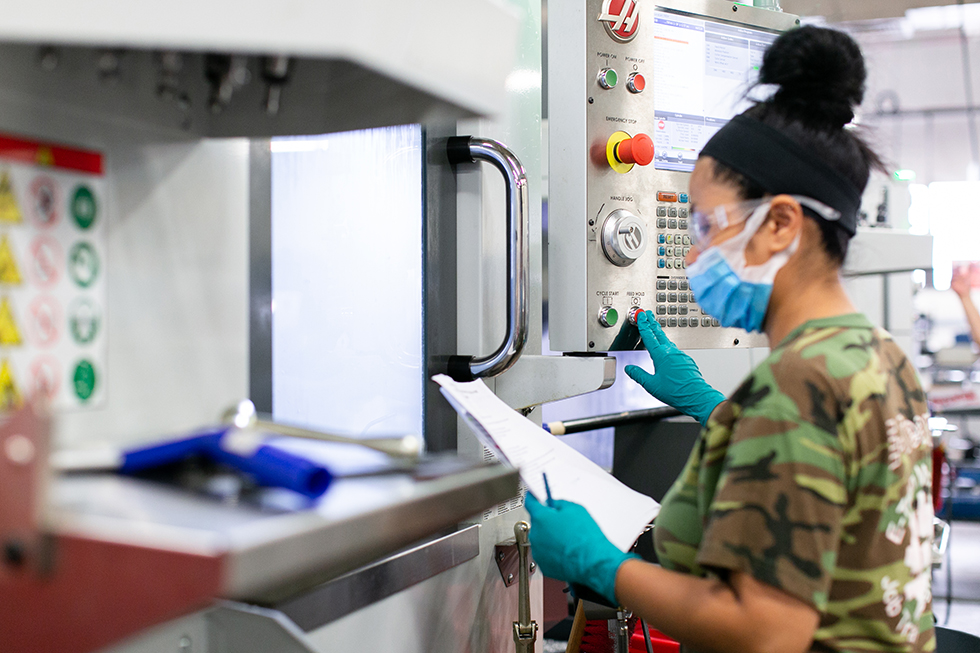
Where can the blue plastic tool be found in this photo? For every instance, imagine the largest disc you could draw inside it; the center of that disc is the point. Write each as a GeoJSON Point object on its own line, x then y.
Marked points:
{"type": "Point", "coordinates": [268, 465]}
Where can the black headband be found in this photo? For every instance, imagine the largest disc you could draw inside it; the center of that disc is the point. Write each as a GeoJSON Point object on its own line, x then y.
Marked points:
{"type": "Point", "coordinates": [778, 164]}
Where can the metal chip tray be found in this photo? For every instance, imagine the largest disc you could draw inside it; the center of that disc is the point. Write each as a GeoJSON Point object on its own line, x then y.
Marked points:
{"type": "Point", "coordinates": [262, 552]}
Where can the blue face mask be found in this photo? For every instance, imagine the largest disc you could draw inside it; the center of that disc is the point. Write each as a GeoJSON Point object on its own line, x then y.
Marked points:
{"type": "Point", "coordinates": [734, 293]}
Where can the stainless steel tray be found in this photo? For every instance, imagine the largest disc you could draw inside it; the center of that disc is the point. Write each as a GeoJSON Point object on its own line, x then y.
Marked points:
{"type": "Point", "coordinates": [357, 521]}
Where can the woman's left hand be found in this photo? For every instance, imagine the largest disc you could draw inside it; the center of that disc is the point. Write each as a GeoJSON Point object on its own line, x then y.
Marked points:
{"type": "Point", "coordinates": [568, 545]}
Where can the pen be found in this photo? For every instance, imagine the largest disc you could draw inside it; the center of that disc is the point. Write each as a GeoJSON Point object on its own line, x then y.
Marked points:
{"type": "Point", "coordinates": [547, 490]}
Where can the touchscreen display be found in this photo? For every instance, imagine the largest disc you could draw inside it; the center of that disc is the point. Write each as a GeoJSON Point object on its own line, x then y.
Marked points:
{"type": "Point", "coordinates": [702, 70]}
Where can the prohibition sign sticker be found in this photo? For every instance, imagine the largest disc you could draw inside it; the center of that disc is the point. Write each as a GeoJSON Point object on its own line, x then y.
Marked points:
{"type": "Point", "coordinates": [83, 264]}
{"type": "Point", "coordinates": [45, 321]}
{"type": "Point", "coordinates": [45, 199]}
{"type": "Point", "coordinates": [46, 261]}
{"type": "Point", "coordinates": [45, 377]}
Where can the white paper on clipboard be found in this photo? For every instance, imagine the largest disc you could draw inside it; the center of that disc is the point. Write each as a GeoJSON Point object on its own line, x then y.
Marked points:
{"type": "Point", "coordinates": [621, 513]}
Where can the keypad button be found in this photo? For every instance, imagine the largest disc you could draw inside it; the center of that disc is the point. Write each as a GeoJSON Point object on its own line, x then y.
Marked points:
{"type": "Point", "coordinates": [682, 198]}
{"type": "Point", "coordinates": [662, 321]}
{"type": "Point", "coordinates": [672, 224]}
{"type": "Point", "coordinates": [661, 296]}
{"type": "Point", "coordinates": [694, 322]}
{"type": "Point", "coordinates": [670, 264]}
{"type": "Point", "coordinates": [682, 310]}
{"type": "Point", "coordinates": [686, 250]}
{"type": "Point", "coordinates": [670, 239]}
{"type": "Point", "coordinates": [662, 263]}
{"type": "Point", "coordinates": [661, 310]}
{"type": "Point", "coordinates": [715, 322]}
{"type": "Point", "coordinates": [661, 211]}
{"type": "Point", "coordinates": [671, 310]}
{"type": "Point", "coordinates": [672, 284]}
{"type": "Point", "coordinates": [705, 321]}
{"type": "Point", "coordinates": [684, 287]}
{"type": "Point", "coordinates": [672, 298]}
{"type": "Point", "coordinates": [662, 251]}
{"type": "Point", "coordinates": [682, 213]}
{"type": "Point", "coordinates": [682, 297]}
{"type": "Point", "coordinates": [685, 239]}
{"type": "Point", "coordinates": [661, 284]}
{"type": "Point", "coordinates": [682, 224]}
{"type": "Point", "coordinates": [682, 321]}
{"type": "Point", "coordinates": [670, 251]}
{"type": "Point", "coordinates": [661, 238]}
{"type": "Point", "coordinates": [672, 212]}
{"type": "Point", "coordinates": [671, 321]}
{"type": "Point", "coordinates": [678, 264]}
{"type": "Point", "coordinates": [661, 223]}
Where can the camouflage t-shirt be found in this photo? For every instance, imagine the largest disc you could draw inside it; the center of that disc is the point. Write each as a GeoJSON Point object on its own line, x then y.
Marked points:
{"type": "Point", "coordinates": [815, 478]}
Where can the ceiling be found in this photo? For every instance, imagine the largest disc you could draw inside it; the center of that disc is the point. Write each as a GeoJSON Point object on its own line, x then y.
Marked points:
{"type": "Point", "coordinates": [845, 10]}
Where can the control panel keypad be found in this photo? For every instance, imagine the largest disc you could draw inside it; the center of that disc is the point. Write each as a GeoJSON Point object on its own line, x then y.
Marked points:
{"type": "Point", "coordinates": [678, 307]}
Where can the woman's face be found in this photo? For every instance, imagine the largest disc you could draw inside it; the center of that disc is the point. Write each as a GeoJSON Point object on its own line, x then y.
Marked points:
{"type": "Point", "coordinates": [707, 194]}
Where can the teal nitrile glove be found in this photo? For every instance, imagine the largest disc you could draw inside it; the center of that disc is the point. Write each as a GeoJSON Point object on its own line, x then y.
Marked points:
{"type": "Point", "coordinates": [568, 545]}
{"type": "Point", "coordinates": [676, 380]}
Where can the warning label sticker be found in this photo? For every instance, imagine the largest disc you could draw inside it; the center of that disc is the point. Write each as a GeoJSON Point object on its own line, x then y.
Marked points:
{"type": "Point", "coordinates": [46, 261]}
{"type": "Point", "coordinates": [83, 207]}
{"type": "Point", "coordinates": [9, 273]}
{"type": "Point", "coordinates": [45, 321]}
{"type": "Point", "coordinates": [83, 264]}
{"type": "Point", "coordinates": [45, 377]}
{"type": "Point", "coordinates": [45, 201]}
{"type": "Point", "coordinates": [84, 319]}
{"type": "Point", "coordinates": [9, 394]}
{"type": "Point", "coordinates": [9, 211]}
{"type": "Point", "coordinates": [9, 333]}
{"type": "Point", "coordinates": [53, 282]}
{"type": "Point", "coordinates": [84, 380]}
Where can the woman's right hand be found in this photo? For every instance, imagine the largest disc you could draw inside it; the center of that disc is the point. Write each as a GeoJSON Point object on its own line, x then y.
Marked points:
{"type": "Point", "coordinates": [676, 380]}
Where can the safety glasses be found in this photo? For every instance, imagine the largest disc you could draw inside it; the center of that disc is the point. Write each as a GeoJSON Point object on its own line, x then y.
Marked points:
{"type": "Point", "coordinates": [704, 226]}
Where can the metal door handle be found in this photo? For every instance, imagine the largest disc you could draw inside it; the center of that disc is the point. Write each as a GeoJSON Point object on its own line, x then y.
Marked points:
{"type": "Point", "coordinates": [467, 149]}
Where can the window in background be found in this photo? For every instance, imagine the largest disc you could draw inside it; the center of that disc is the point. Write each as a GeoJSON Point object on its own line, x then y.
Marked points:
{"type": "Point", "coordinates": [950, 211]}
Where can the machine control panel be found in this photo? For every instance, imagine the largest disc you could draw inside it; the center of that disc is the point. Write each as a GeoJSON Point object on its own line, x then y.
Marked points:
{"type": "Point", "coordinates": [635, 90]}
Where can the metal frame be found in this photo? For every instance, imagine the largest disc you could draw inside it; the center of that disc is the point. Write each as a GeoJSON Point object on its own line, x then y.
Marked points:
{"type": "Point", "coordinates": [260, 275]}
{"type": "Point", "coordinates": [438, 283]}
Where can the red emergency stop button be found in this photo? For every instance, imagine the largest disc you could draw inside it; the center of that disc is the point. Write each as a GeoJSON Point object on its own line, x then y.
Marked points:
{"type": "Point", "coordinates": [638, 150]}
{"type": "Point", "coordinates": [636, 83]}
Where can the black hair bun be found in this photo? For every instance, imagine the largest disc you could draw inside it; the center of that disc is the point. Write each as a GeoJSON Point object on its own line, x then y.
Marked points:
{"type": "Point", "coordinates": [820, 74]}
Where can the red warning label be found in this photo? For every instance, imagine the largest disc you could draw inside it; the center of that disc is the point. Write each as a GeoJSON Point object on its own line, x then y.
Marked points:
{"type": "Point", "coordinates": [45, 377]}
{"type": "Point", "coordinates": [45, 200]}
{"type": "Point", "coordinates": [45, 321]}
{"type": "Point", "coordinates": [47, 259]}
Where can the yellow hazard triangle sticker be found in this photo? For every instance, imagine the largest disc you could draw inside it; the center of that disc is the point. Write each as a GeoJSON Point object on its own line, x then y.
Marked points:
{"type": "Point", "coordinates": [9, 334]}
{"type": "Point", "coordinates": [9, 211]}
{"type": "Point", "coordinates": [9, 273]}
{"type": "Point", "coordinates": [9, 395]}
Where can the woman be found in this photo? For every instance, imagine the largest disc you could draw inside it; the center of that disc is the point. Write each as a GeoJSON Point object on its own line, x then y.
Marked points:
{"type": "Point", "coordinates": [803, 519]}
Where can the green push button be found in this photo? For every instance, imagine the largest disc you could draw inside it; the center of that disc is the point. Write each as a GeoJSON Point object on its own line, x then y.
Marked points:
{"type": "Point", "coordinates": [608, 78]}
{"type": "Point", "coordinates": [608, 316]}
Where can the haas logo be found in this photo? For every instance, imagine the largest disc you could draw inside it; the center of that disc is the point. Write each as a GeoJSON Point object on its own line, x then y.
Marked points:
{"type": "Point", "coordinates": [620, 18]}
